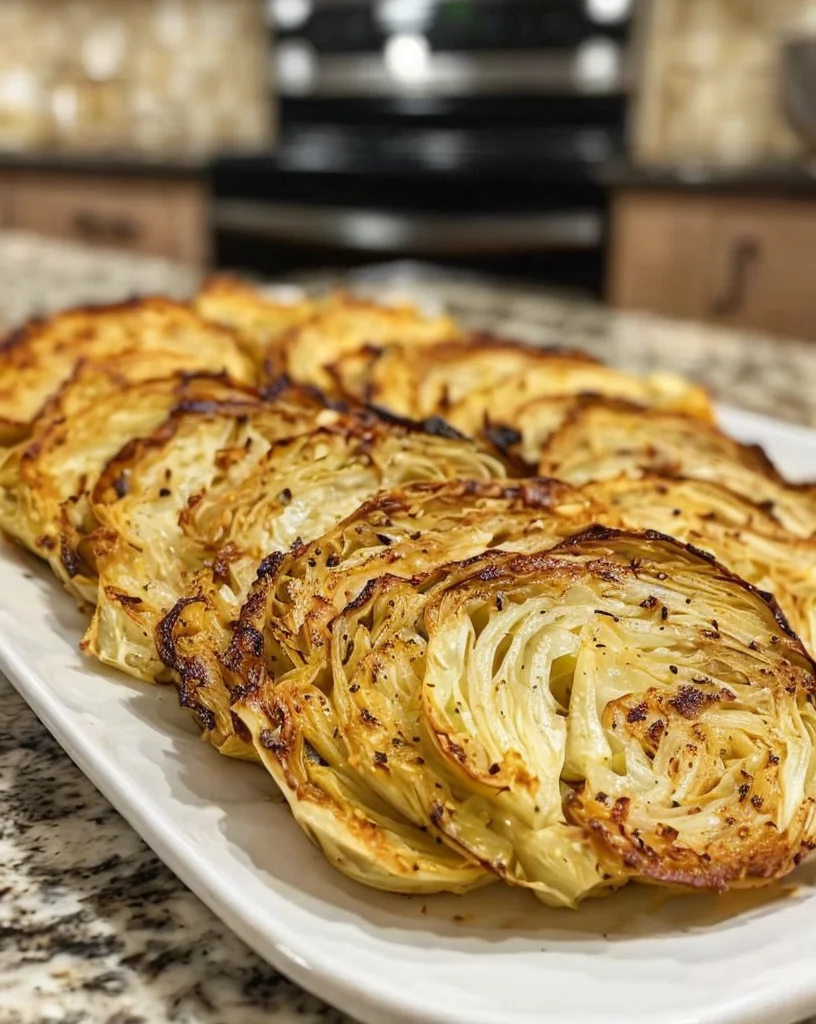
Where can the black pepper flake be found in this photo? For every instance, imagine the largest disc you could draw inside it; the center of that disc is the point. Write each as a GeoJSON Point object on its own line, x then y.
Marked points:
{"type": "Point", "coordinates": [664, 613]}
{"type": "Point", "coordinates": [744, 790]}
{"type": "Point", "coordinates": [380, 757]}
{"type": "Point", "coordinates": [609, 615]}
{"type": "Point", "coordinates": [420, 760]}
{"type": "Point", "coordinates": [500, 601]}
{"type": "Point", "coordinates": [120, 486]}
{"type": "Point", "coordinates": [773, 758]}
{"type": "Point", "coordinates": [416, 535]}
{"type": "Point", "coordinates": [164, 492]}
{"type": "Point", "coordinates": [349, 652]}
{"type": "Point", "coordinates": [494, 769]}
{"type": "Point", "coordinates": [354, 688]}
{"type": "Point", "coordinates": [285, 496]}
{"type": "Point", "coordinates": [756, 801]}
{"type": "Point", "coordinates": [368, 718]}
{"type": "Point", "coordinates": [332, 561]}
{"type": "Point", "coordinates": [384, 539]}
{"type": "Point", "coordinates": [650, 602]}
{"type": "Point", "coordinates": [673, 669]}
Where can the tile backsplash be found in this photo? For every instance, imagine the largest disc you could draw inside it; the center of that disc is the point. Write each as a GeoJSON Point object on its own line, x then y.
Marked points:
{"type": "Point", "coordinates": [710, 82]}
{"type": "Point", "coordinates": [166, 76]}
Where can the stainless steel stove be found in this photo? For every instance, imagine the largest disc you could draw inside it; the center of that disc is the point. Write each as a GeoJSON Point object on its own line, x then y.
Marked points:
{"type": "Point", "coordinates": [473, 132]}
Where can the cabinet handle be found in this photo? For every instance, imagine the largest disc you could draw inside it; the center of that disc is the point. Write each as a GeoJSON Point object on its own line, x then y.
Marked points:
{"type": "Point", "coordinates": [743, 253]}
{"type": "Point", "coordinates": [96, 227]}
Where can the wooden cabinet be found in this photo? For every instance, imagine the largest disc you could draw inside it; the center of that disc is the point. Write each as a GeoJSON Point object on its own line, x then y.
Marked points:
{"type": "Point", "coordinates": [146, 215]}
{"type": "Point", "coordinates": [6, 193]}
{"type": "Point", "coordinates": [735, 261]}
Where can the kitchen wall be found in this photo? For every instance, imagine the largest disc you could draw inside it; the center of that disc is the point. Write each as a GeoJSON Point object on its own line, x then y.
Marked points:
{"type": "Point", "coordinates": [709, 89]}
{"type": "Point", "coordinates": [145, 75]}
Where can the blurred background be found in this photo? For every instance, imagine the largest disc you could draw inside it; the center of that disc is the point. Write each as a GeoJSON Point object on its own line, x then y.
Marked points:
{"type": "Point", "coordinates": [658, 154]}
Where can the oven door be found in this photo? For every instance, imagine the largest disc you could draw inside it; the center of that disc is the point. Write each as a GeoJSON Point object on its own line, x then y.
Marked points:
{"type": "Point", "coordinates": [564, 247]}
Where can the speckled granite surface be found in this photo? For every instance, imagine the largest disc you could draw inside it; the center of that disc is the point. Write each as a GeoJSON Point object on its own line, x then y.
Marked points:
{"type": "Point", "coordinates": [39, 277]}
{"type": "Point", "coordinates": [93, 928]}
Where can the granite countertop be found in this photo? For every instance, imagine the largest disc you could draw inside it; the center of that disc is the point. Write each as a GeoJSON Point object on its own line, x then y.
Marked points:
{"type": "Point", "coordinates": [93, 928]}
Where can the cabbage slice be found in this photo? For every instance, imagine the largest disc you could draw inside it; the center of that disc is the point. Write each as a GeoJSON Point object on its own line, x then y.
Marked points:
{"type": "Point", "coordinates": [602, 440]}
{"type": "Point", "coordinates": [198, 561]}
{"type": "Point", "coordinates": [620, 707]}
{"type": "Point", "coordinates": [741, 534]}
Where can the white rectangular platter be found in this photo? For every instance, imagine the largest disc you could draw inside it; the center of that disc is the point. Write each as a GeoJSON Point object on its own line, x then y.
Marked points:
{"type": "Point", "coordinates": [496, 957]}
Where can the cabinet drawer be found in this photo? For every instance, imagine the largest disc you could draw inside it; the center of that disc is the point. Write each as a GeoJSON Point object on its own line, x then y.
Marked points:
{"type": "Point", "coordinates": [7, 182]}
{"type": "Point", "coordinates": [763, 255]}
{"type": "Point", "coordinates": [157, 217]}
{"type": "Point", "coordinates": [727, 260]}
{"type": "Point", "coordinates": [660, 254]}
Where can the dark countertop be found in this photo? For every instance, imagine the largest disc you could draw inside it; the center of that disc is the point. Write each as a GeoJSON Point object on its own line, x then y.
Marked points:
{"type": "Point", "coordinates": [770, 179]}
{"type": "Point", "coordinates": [141, 165]}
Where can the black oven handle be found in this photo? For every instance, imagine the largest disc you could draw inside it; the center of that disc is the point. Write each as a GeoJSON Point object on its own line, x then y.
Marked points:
{"type": "Point", "coordinates": [385, 231]}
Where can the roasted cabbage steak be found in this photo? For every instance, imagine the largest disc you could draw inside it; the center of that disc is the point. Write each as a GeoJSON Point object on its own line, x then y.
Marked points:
{"type": "Point", "coordinates": [618, 708]}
